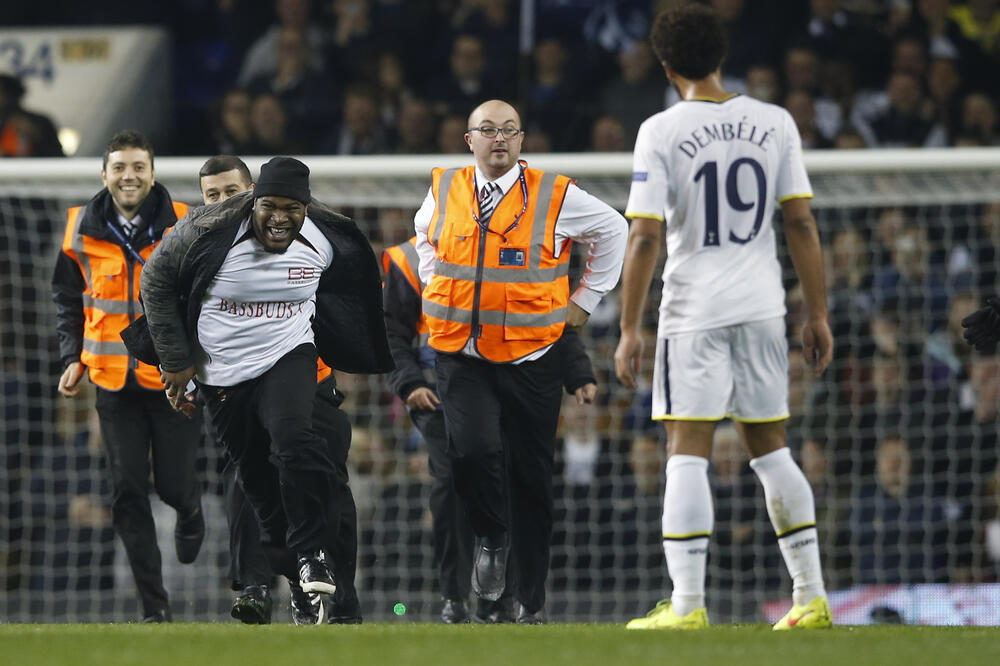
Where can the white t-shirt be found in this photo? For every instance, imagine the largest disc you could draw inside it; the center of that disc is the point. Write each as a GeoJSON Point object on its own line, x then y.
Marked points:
{"type": "Point", "coordinates": [714, 171]}
{"type": "Point", "coordinates": [260, 305]}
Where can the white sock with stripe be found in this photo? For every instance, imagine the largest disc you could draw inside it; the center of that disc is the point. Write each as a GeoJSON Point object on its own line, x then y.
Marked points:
{"type": "Point", "coordinates": [792, 509]}
{"type": "Point", "coordinates": [687, 523]}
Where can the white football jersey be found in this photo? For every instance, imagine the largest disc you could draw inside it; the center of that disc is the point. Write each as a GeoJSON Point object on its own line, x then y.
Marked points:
{"type": "Point", "coordinates": [260, 305]}
{"type": "Point", "coordinates": [713, 172]}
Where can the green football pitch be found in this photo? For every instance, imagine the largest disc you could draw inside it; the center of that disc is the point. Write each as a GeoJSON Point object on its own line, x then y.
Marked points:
{"type": "Point", "coordinates": [399, 644]}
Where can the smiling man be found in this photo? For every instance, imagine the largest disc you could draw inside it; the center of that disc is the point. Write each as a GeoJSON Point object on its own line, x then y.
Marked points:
{"type": "Point", "coordinates": [95, 287]}
{"type": "Point", "coordinates": [243, 297]}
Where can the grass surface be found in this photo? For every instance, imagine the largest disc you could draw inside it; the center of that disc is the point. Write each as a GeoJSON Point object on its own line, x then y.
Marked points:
{"type": "Point", "coordinates": [400, 644]}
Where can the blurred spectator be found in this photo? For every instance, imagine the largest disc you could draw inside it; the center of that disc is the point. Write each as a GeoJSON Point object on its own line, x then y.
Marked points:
{"type": "Point", "coordinates": [466, 84]}
{"type": "Point", "coordinates": [415, 129]}
{"type": "Point", "coordinates": [990, 530]}
{"type": "Point", "coordinates": [555, 104]}
{"type": "Point", "coordinates": [494, 22]}
{"type": "Point", "coordinates": [261, 58]}
{"type": "Point", "coordinates": [751, 34]}
{"type": "Point", "coordinates": [269, 123]}
{"type": "Point", "coordinates": [803, 72]}
{"type": "Point", "coordinates": [835, 33]}
{"type": "Point", "coordinates": [303, 90]}
{"type": "Point", "coordinates": [22, 132]}
{"type": "Point", "coordinates": [360, 132]}
{"type": "Point", "coordinates": [979, 119]}
{"type": "Point", "coordinates": [979, 21]}
{"type": "Point", "coordinates": [945, 38]}
{"type": "Point", "coordinates": [536, 141]}
{"type": "Point", "coordinates": [232, 131]}
{"type": "Point", "coordinates": [392, 89]}
{"type": "Point", "coordinates": [607, 135]}
{"type": "Point", "coordinates": [451, 135]}
{"type": "Point", "coordinates": [943, 85]}
{"type": "Point", "coordinates": [898, 530]}
{"type": "Point", "coordinates": [911, 283]}
{"type": "Point", "coordinates": [637, 92]}
{"type": "Point", "coordinates": [896, 119]}
{"type": "Point", "coordinates": [802, 108]}
{"type": "Point", "coordinates": [762, 83]}
{"type": "Point", "coordinates": [849, 139]}
{"type": "Point", "coordinates": [354, 39]}
{"type": "Point", "coordinates": [946, 350]}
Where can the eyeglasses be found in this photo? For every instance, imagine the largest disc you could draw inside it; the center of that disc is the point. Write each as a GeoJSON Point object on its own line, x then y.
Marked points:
{"type": "Point", "coordinates": [491, 132]}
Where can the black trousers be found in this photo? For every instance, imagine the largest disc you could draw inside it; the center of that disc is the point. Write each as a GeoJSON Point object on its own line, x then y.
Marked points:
{"type": "Point", "coordinates": [250, 564]}
{"type": "Point", "coordinates": [265, 425]}
{"type": "Point", "coordinates": [501, 421]}
{"type": "Point", "coordinates": [139, 426]}
{"type": "Point", "coordinates": [453, 537]}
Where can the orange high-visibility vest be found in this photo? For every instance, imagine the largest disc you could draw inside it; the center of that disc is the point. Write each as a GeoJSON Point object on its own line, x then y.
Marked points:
{"type": "Point", "coordinates": [406, 259]}
{"type": "Point", "coordinates": [110, 303]}
{"type": "Point", "coordinates": [506, 288]}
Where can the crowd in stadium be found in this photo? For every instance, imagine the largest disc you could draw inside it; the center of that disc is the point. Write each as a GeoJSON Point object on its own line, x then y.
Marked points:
{"type": "Point", "coordinates": [899, 438]}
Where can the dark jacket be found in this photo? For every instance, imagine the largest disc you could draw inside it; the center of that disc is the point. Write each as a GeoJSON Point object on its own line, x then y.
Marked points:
{"type": "Point", "coordinates": [157, 215]}
{"type": "Point", "coordinates": [349, 328]}
{"type": "Point", "coordinates": [403, 312]}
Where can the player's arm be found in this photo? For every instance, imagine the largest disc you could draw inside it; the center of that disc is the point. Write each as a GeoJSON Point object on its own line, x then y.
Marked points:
{"type": "Point", "coordinates": [807, 257]}
{"type": "Point", "coordinates": [641, 254]}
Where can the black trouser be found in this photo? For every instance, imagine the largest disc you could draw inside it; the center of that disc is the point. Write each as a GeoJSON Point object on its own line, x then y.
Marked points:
{"type": "Point", "coordinates": [250, 564]}
{"type": "Point", "coordinates": [133, 423]}
{"type": "Point", "coordinates": [452, 533]}
{"type": "Point", "coordinates": [265, 425]}
{"type": "Point", "coordinates": [501, 421]}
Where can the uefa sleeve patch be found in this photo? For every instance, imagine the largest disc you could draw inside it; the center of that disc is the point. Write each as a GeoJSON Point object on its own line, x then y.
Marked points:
{"type": "Point", "coordinates": [639, 176]}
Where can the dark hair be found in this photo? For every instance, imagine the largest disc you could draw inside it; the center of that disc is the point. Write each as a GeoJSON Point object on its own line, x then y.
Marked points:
{"type": "Point", "coordinates": [223, 163]}
{"type": "Point", "coordinates": [12, 87]}
{"type": "Point", "coordinates": [690, 40]}
{"type": "Point", "coordinates": [128, 139]}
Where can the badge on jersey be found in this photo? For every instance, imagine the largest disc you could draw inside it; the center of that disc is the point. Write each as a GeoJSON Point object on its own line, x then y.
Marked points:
{"type": "Point", "coordinates": [511, 256]}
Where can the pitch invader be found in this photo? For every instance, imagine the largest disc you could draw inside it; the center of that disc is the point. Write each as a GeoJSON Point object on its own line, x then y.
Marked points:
{"type": "Point", "coordinates": [712, 167]}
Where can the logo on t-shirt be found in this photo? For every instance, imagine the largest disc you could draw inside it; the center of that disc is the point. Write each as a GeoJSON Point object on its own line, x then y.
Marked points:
{"type": "Point", "coordinates": [302, 274]}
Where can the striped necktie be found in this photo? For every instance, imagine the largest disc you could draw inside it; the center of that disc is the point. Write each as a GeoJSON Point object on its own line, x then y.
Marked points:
{"type": "Point", "coordinates": [488, 201]}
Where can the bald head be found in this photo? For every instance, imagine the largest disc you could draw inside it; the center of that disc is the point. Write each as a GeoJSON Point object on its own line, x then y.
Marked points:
{"type": "Point", "coordinates": [495, 155]}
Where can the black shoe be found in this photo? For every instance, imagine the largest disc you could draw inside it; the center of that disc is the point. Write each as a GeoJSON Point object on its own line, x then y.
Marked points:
{"type": "Point", "coordinates": [253, 606]}
{"type": "Point", "coordinates": [344, 612]}
{"type": "Point", "coordinates": [307, 608]}
{"type": "Point", "coordinates": [500, 611]}
{"type": "Point", "coordinates": [489, 569]}
{"type": "Point", "coordinates": [314, 575]}
{"type": "Point", "coordinates": [524, 617]}
{"type": "Point", "coordinates": [454, 612]}
{"type": "Point", "coordinates": [188, 535]}
{"type": "Point", "coordinates": [162, 615]}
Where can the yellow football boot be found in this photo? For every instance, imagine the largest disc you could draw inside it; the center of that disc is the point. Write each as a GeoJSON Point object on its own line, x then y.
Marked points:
{"type": "Point", "coordinates": [814, 615]}
{"type": "Point", "coordinates": [663, 617]}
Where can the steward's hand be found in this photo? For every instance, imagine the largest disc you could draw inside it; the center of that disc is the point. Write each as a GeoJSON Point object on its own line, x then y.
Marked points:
{"type": "Point", "coordinates": [69, 382]}
{"type": "Point", "coordinates": [585, 394]}
{"type": "Point", "coordinates": [576, 316]}
{"type": "Point", "coordinates": [423, 398]}
{"type": "Point", "coordinates": [982, 327]}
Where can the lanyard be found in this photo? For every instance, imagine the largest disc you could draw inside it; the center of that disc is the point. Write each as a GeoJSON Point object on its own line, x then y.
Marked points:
{"type": "Point", "coordinates": [517, 220]}
{"type": "Point", "coordinates": [125, 242]}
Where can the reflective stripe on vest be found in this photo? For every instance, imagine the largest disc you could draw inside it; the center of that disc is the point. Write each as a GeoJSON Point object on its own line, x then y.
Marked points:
{"type": "Point", "coordinates": [405, 257]}
{"type": "Point", "coordinates": [522, 287]}
{"type": "Point", "coordinates": [110, 303]}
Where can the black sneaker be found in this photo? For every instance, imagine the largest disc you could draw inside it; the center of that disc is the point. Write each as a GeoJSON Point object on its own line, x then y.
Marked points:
{"type": "Point", "coordinates": [314, 575]}
{"type": "Point", "coordinates": [454, 612]}
{"type": "Point", "coordinates": [156, 617]}
{"type": "Point", "coordinates": [307, 608]}
{"type": "Point", "coordinates": [253, 605]}
{"type": "Point", "coordinates": [189, 532]}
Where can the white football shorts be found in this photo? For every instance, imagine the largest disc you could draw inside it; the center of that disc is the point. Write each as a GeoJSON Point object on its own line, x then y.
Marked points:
{"type": "Point", "coordinates": [739, 371]}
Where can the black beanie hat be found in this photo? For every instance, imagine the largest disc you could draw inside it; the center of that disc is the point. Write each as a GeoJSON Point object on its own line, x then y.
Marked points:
{"type": "Point", "coordinates": [283, 177]}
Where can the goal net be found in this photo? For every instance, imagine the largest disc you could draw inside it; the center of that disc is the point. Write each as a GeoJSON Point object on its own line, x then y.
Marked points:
{"type": "Point", "coordinates": [898, 438]}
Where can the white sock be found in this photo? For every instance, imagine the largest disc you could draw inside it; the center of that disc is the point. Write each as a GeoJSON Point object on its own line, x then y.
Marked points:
{"type": "Point", "coordinates": [687, 524]}
{"type": "Point", "coordinates": [792, 509]}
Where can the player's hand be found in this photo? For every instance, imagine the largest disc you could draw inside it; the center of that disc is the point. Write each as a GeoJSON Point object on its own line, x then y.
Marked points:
{"type": "Point", "coordinates": [982, 327]}
{"type": "Point", "coordinates": [576, 316]}
{"type": "Point", "coordinates": [627, 358]}
{"type": "Point", "coordinates": [585, 394]}
{"type": "Point", "coordinates": [70, 380]}
{"type": "Point", "coordinates": [175, 385]}
{"type": "Point", "coordinates": [817, 344]}
{"type": "Point", "coordinates": [423, 399]}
